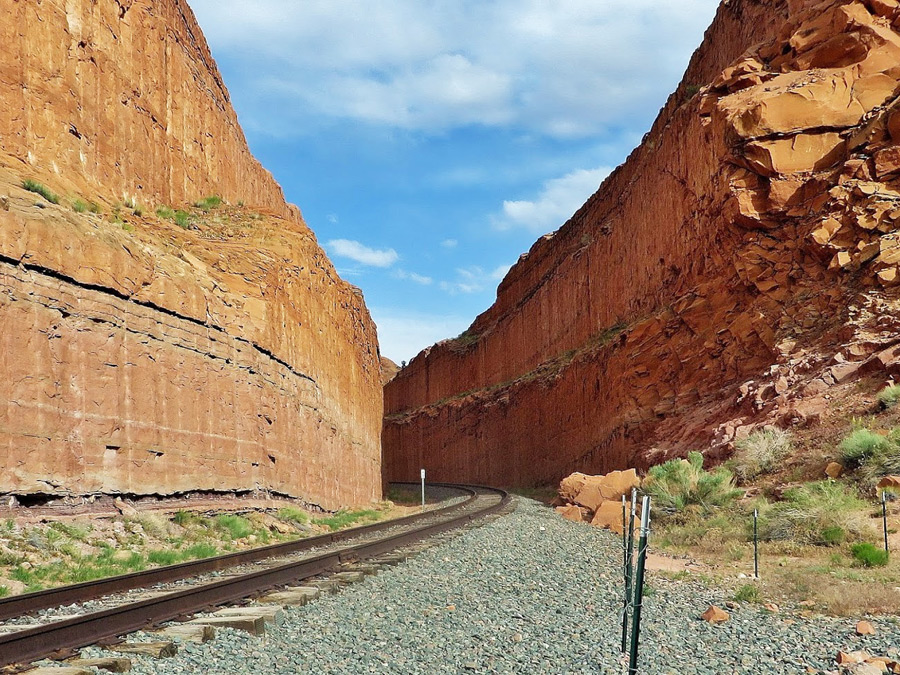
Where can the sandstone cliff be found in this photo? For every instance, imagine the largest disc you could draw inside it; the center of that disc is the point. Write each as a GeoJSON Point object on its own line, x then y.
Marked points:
{"type": "Point", "coordinates": [142, 356]}
{"type": "Point", "coordinates": [742, 261]}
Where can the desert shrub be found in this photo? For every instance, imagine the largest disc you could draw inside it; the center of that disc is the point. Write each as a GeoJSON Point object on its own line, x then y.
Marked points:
{"type": "Point", "coordinates": [81, 206]}
{"type": "Point", "coordinates": [679, 483]}
{"type": "Point", "coordinates": [820, 513]}
{"type": "Point", "coordinates": [182, 219]}
{"type": "Point", "coordinates": [237, 526]}
{"type": "Point", "coordinates": [869, 555]}
{"type": "Point", "coordinates": [165, 212]}
{"type": "Point", "coordinates": [833, 535]}
{"type": "Point", "coordinates": [208, 203]}
{"type": "Point", "coordinates": [41, 189]}
{"type": "Point", "coordinates": [293, 515]}
{"type": "Point", "coordinates": [889, 396]}
{"type": "Point", "coordinates": [747, 593]}
{"type": "Point", "coordinates": [862, 445]}
{"type": "Point", "coordinates": [760, 452]}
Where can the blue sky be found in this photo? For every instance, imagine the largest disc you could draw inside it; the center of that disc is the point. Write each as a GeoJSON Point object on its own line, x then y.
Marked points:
{"type": "Point", "coordinates": [429, 143]}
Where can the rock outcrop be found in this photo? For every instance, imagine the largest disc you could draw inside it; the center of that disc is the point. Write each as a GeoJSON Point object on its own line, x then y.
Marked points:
{"type": "Point", "coordinates": [745, 259]}
{"type": "Point", "coordinates": [136, 355]}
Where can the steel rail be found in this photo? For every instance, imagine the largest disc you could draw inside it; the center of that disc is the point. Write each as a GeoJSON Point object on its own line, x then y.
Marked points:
{"type": "Point", "coordinates": [28, 603]}
{"type": "Point", "coordinates": [34, 643]}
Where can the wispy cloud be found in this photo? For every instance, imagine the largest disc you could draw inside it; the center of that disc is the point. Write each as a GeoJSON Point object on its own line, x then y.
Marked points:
{"type": "Point", "coordinates": [567, 68]}
{"type": "Point", "coordinates": [347, 248]}
{"type": "Point", "coordinates": [420, 279]}
{"type": "Point", "coordinates": [558, 199]}
{"type": "Point", "coordinates": [474, 279]}
{"type": "Point", "coordinates": [449, 243]}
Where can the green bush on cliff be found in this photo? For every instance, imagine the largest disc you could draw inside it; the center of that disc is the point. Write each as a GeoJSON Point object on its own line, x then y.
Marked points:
{"type": "Point", "coordinates": [208, 203]}
{"type": "Point", "coordinates": [41, 189]}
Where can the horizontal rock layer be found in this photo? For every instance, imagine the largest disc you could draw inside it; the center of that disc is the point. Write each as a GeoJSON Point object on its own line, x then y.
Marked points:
{"type": "Point", "coordinates": [744, 248]}
{"type": "Point", "coordinates": [137, 356]}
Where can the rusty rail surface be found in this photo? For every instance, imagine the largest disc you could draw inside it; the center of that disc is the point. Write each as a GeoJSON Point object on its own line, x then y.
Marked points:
{"type": "Point", "coordinates": [37, 642]}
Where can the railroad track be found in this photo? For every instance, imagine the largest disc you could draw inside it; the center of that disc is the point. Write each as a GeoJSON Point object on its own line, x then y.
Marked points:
{"type": "Point", "coordinates": [110, 610]}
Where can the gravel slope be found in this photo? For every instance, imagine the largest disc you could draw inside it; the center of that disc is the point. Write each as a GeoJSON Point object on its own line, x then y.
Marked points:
{"type": "Point", "coordinates": [527, 593]}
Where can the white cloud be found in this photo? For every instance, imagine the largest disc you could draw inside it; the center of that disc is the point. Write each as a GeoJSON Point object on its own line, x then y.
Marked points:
{"type": "Point", "coordinates": [449, 243]}
{"type": "Point", "coordinates": [558, 200]}
{"type": "Point", "coordinates": [420, 279]}
{"type": "Point", "coordinates": [474, 279]}
{"type": "Point", "coordinates": [402, 335]}
{"type": "Point", "coordinates": [347, 248]}
{"type": "Point", "coordinates": [564, 68]}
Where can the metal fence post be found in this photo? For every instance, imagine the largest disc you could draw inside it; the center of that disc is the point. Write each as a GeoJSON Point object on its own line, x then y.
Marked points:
{"type": "Point", "coordinates": [639, 585]}
{"type": "Point", "coordinates": [884, 518]}
{"type": "Point", "coordinates": [756, 543]}
{"type": "Point", "coordinates": [628, 546]}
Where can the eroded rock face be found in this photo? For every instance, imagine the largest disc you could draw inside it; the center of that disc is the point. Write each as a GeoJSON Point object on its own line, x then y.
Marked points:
{"type": "Point", "coordinates": [743, 260]}
{"type": "Point", "coordinates": [137, 356]}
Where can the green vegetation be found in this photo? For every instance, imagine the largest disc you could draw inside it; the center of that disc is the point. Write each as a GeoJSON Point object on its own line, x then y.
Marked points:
{"type": "Point", "coordinates": [170, 557]}
{"type": "Point", "coordinates": [237, 526]}
{"type": "Point", "coordinates": [869, 555]}
{"type": "Point", "coordinates": [820, 513]}
{"type": "Point", "coordinates": [293, 515]}
{"type": "Point", "coordinates": [344, 518]}
{"type": "Point", "coordinates": [82, 206]}
{"type": "Point", "coordinates": [748, 593]}
{"type": "Point", "coordinates": [41, 189]}
{"type": "Point", "coordinates": [209, 203]}
{"type": "Point", "coordinates": [165, 212]}
{"type": "Point", "coordinates": [871, 453]}
{"type": "Point", "coordinates": [182, 219]}
{"type": "Point", "coordinates": [889, 396]}
{"type": "Point", "coordinates": [4, 591]}
{"type": "Point", "coordinates": [184, 518]}
{"type": "Point", "coordinates": [680, 483]}
{"type": "Point", "coordinates": [861, 446]}
{"type": "Point", "coordinates": [760, 453]}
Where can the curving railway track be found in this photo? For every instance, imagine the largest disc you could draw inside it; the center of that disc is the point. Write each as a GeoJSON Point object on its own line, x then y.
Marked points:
{"type": "Point", "coordinates": [108, 607]}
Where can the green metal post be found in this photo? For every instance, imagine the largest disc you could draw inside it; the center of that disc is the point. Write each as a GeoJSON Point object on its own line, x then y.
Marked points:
{"type": "Point", "coordinates": [639, 585]}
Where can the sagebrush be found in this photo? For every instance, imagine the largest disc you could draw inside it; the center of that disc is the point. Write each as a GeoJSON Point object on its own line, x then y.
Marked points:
{"type": "Point", "coordinates": [760, 453]}
{"type": "Point", "coordinates": [679, 483]}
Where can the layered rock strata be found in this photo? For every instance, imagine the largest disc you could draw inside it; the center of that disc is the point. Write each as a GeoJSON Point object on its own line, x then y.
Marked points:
{"type": "Point", "coordinates": [139, 356]}
{"type": "Point", "coordinates": [741, 262]}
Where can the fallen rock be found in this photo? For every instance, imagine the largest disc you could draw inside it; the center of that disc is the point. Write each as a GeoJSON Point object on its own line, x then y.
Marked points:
{"type": "Point", "coordinates": [609, 515]}
{"type": "Point", "coordinates": [715, 615]}
{"type": "Point", "coordinates": [772, 607]}
{"type": "Point", "coordinates": [609, 487]}
{"type": "Point", "coordinates": [890, 482]}
{"type": "Point", "coordinates": [850, 658]}
{"type": "Point", "coordinates": [570, 486]}
{"type": "Point", "coordinates": [834, 470]}
{"type": "Point", "coordinates": [125, 509]}
{"type": "Point", "coordinates": [865, 628]}
{"type": "Point", "coordinates": [570, 512]}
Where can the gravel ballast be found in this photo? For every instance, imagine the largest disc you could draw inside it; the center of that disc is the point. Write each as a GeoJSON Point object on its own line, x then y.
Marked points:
{"type": "Point", "coordinates": [525, 593]}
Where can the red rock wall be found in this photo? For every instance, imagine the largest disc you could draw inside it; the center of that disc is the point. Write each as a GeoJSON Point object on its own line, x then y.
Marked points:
{"type": "Point", "coordinates": [649, 321]}
{"type": "Point", "coordinates": [137, 356]}
{"type": "Point", "coordinates": [123, 96]}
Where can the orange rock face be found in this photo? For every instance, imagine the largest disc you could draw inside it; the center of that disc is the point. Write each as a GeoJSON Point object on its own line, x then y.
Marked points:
{"type": "Point", "coordinates": [742, 262]}
{"type": "Point", "coordinates": [136, 356]}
